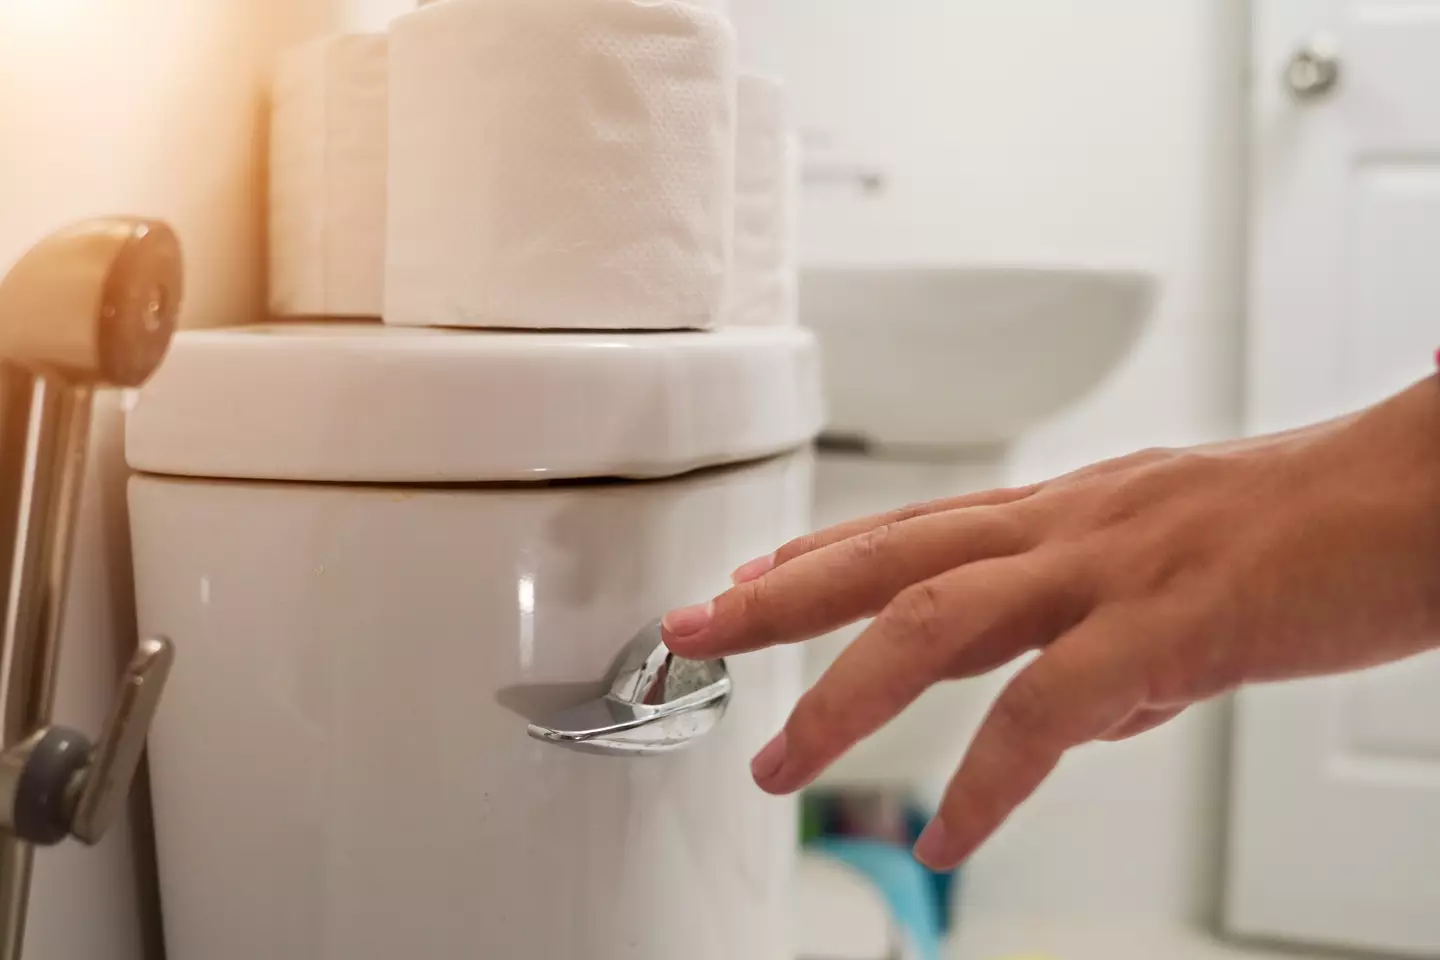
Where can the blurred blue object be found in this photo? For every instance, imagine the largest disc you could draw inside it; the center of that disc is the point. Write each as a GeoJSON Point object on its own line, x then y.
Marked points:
{"type": "Point", "coordinates": [884, 818]}
{"type": "Point", "coordinates": [904, 883]}
{"type": "Point", "coordinates": [945, 885]}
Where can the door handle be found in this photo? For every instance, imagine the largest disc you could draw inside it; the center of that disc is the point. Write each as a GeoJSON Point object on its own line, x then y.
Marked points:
{"type": "Point", "coordinates": [1313, 71]}
{"type": "Point", "coordinates": [654, 703]}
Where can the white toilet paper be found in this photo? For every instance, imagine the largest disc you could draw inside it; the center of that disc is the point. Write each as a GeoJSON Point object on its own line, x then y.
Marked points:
{"type": "Point", "coordinates": [327, 179]}
{"type": "Point", "coordinates": [767, 171]}
{"type": "Point", "coordinates": [560, 164]}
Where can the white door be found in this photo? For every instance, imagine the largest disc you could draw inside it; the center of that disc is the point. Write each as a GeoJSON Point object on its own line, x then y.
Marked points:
{"type": "Point", "coordinates": [1335, 819]}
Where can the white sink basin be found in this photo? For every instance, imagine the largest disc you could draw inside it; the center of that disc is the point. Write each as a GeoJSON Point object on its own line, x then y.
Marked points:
{"type": "Point", "coordinates": [954, 357]}
{"type": "Point", "coordinates": [924, 363]}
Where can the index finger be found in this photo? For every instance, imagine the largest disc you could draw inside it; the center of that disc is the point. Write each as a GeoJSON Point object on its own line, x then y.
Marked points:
{"type": "Point", "coordinates": [843, 582]}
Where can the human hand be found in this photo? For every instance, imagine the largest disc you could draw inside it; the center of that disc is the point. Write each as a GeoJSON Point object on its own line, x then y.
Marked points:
{"type": "Point", "coordinates": [1147, 583]}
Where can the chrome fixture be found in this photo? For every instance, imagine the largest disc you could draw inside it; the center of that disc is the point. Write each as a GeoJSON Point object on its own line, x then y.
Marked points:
{"type": "Point", "coordinates": [868, 179]}
{"type": "Point", "coordinates": [655, 702]}
{"type": "Point", "coordinates": [91, 306]}
{"type": "Point", "coordinates": [1313, 71]}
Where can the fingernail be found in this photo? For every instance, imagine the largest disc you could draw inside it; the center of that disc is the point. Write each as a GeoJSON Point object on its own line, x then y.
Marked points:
{"type": "Point", "coordinates": [688, 621]}
{"type": "Point", "coordinates": [769, 760]}
{"type": "Point", "coordinates": [753, 570]}
{"type": "Point", "coordinates": [937, 848]}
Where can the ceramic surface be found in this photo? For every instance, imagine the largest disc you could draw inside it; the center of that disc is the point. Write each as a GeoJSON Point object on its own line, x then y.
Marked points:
{"type": "Point", "coordinates": [962, 356]}
{"type": "Point", "coordinates": [362, 402]}
{"type": "Point", "coordinates": [341, 767]}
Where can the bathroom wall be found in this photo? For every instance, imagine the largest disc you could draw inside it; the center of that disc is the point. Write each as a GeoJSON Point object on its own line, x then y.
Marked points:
{"type": "Point", "coordinates": [370, 14]}
{"type": "Point", "coordinates": [151, 107]}
{"type": "Point", "coordinates": [1105, 131]}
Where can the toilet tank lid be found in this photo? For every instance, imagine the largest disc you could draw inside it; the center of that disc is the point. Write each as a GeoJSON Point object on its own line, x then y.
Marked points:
{"type": "Point", "coordinates": [366, 403]}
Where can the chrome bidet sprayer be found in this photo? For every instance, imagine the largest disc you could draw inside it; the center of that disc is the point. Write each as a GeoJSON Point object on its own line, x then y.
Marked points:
{"type": "Point", "coordinates": [91, 306]}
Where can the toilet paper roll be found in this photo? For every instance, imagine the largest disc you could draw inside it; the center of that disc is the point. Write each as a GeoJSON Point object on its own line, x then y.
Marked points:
{"type": "Point", "coordinates": [327, 178]}
{"type": "Point", "coordinates": [767, 172]}
{"type": "Point", "coordinates": [565, 164]}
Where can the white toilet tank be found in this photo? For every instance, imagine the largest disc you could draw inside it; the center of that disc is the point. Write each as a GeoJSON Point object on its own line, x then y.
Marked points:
{"type": "Point", "coordinates": [380, 553]}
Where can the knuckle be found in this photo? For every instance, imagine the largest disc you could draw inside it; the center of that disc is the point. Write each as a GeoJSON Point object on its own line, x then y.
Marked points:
{"type": "Point", "coordinates": [1195, 660]}
{"type": "Point", "coordinates": [1005, 529]}
{"type": "Point", "coordinates": [1131, 461]}
{"type": "Point", "coordinates": [1108, 496]}
{"type": "Point", "coordinates": [916, 618]}
{"type": "Point", "coordinates": [1171, 679]}
{"type": "Point", "coordinates": [1141, 459]}
{"type": "Point", "coordinates": [911, 511]}
{"type": "Point", "coordinates": [798, 548]}
{"type": "Point", "coordinates": [1148, 456]}
{"type": "Point", "coordinates": [817, 725]}
{"type": "Point", "coordinates": [754, 609]}
{"type": "Point", "coordinates": [1122, 497]}
{"type": "Point", "coordinates": [1141, 565]}
{"type": "Point", "coordinates": [868, 548]}
{"type": "Point", "coordinates": [1023, 710]}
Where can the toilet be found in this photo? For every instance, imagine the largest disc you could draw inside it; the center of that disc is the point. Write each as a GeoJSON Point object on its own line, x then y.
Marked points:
{"type": "Point", "coordinates": [382, 554]}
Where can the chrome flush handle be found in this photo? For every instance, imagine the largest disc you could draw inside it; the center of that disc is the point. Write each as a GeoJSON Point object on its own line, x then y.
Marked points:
{"type": "Point", "coordinates": [655, 703]}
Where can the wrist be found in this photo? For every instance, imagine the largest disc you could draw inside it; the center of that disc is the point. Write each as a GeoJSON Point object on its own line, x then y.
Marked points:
{"type": "Point", "coordinates": [1388, 471]}
{"type": "Point", "coordinates": [1408, 425]}
{"type": "Point", "coordinates": [1390, 453]}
